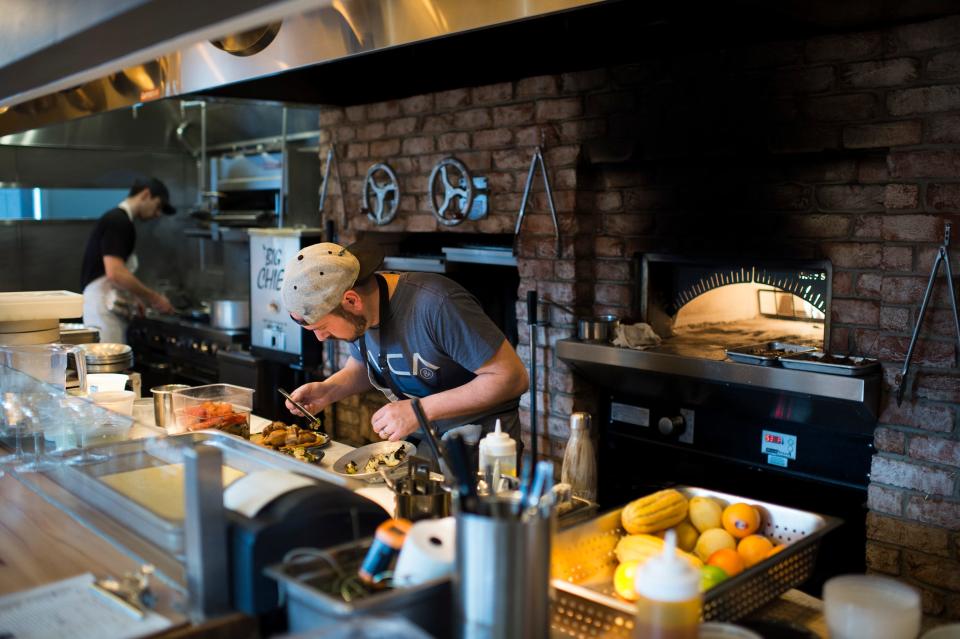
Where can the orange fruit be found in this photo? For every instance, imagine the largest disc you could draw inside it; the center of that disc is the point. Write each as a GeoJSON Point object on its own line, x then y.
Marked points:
{"type": "Point", "coordinates": [754, 549]}
{"type": "Point", "coordinates": [741, 520]}
{"type": "Point", "coordinates": [728, 559]}
{"type": "Point", "coordinates": [775, 550]}
{"type": "Point", "coordinates": [623, 580]}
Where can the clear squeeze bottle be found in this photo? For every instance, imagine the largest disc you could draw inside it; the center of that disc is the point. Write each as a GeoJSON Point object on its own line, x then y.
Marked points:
{"type": "Point", "coordinates": [670, 599]}
{"type": "Point", "coordinates": [498, 447]}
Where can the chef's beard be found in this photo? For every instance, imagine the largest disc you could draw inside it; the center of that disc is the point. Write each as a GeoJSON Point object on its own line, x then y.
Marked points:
{"type": "Point", "coordinates": [358, 321]}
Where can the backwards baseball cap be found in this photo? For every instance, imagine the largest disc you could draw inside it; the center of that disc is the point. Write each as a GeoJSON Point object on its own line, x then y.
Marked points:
{"type": "Point", "coordinates": [157, 189]}
{"type": "Point", "coordinates": [315, 280]}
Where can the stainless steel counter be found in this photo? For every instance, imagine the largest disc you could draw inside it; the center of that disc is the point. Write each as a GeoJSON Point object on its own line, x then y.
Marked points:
{"type": "Point", "coordinates": [592, 357]}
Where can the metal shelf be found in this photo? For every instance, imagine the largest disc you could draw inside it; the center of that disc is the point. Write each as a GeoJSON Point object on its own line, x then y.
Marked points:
{"type": "Point", "coordinates": [599, 361]}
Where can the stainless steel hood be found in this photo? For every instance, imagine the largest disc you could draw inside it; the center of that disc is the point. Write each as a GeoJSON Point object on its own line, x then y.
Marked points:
{"type": "Point", "coordinates": [335, 30]}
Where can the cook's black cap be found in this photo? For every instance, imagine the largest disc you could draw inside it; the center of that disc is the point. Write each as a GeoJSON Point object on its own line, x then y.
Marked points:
{"type": "Point", "coordinates": [157, 189]}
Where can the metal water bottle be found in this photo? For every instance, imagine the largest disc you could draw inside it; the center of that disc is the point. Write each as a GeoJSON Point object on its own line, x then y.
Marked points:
{"type": "Point", "coordinates": [580, 460]}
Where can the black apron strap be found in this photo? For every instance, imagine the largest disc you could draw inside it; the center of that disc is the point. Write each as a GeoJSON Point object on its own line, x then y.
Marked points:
{"type": "Point", "coordinates": [382, 359]}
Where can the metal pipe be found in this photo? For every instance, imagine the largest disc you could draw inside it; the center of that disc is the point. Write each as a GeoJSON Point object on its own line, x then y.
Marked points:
{"type": "Point", "coordinates": [202, 186]}
{"type": "Point", "coordinates": [284, 169]}
{"type": "Point", "coordinates": [532, 324]}
{"type": "Point", "coordinates": [205, 529]}
{"type": "Point", "coordinates": [202, 172]}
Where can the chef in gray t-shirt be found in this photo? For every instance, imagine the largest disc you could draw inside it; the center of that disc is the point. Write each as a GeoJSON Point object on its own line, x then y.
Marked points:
{"type": "Point", "coordinates": [413, 335]}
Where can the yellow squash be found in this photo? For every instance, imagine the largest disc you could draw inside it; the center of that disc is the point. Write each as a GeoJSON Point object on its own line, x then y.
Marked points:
{"type": "Point", "coordinates": [640, 548]}
{"type": "Point", "coordinates": [658, 511]}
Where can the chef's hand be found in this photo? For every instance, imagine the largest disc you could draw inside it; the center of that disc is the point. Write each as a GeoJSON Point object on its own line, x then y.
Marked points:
{"type": "Point", "coordinates": [161, 304]}
{"type": "Point", "coordinates": [314, 396]}
{"type": "Point", "coordinates": [395, 421]}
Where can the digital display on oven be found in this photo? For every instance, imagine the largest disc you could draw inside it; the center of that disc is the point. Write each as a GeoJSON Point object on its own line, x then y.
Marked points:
{"type": "Point", "coordinates": [780, 444]}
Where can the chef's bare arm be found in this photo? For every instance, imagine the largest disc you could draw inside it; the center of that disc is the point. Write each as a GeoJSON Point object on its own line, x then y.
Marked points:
{"type": "Point", "coordinates": [349, 380]}
{"type": "Point", "coordinates": [499, 380]}
{"type": "Point", "coordinates": [120, 276]}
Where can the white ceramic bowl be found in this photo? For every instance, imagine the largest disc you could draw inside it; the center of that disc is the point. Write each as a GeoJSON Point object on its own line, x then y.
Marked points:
{"type": "Point", "coordinates": [97, 382]}
{"type": "Point", "coordinates": [858, 606]}
{"type": "Point", "coordinates": [950, 631]}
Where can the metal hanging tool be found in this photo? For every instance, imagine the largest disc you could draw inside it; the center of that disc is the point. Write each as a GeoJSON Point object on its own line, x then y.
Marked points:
{"type": "Point", "coordinates": [538, 158]}
{"type": "Point", "coordinates": [942, 256]}
{"type": "Point", "coordinates": [332, 158]}
{"type": "Point", "coordinates": [533, 322]}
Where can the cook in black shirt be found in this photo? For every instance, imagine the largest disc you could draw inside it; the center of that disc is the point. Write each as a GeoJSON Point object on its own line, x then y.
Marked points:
{"type": "Point", "coordinates": [107, 274]}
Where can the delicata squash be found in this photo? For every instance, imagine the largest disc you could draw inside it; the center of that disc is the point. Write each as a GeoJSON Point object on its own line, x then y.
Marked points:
{"type": "Point", "coordinates": [659, 511]}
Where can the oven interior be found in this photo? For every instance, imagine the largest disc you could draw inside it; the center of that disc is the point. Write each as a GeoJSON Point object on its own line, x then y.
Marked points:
{"type": "Point", "coordinates": [701, 307]}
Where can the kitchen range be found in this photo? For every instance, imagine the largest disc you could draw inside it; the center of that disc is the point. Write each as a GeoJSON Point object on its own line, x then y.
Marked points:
{"type": "Point", "coordinates": [732, 390]}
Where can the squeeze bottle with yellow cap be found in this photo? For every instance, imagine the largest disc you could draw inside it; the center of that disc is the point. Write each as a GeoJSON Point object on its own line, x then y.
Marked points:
{"type": "Point", "coordinates": [670, 599]}
{"type": "Point", "coordinates": [498, 447]}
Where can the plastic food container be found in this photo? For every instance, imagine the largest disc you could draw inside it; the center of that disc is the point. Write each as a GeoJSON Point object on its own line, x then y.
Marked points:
{"type": "Point", "coordinates": [119, 401]}
{"type": "Point", "coordinates": [218, 406]}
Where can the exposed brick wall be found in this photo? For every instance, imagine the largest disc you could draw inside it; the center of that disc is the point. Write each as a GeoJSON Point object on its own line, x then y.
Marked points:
{"type": "Point", "coordinates": [845, 146]}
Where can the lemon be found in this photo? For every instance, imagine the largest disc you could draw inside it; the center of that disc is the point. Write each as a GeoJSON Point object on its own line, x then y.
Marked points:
{"type": "Point", "coordinates": [710, 576]}
{"type": "Point", "coordinates": [712, 540]}
{"type": "Point", "coordinates": [623, 580]}
{"type": "Point", "coordinates": [705, 513]}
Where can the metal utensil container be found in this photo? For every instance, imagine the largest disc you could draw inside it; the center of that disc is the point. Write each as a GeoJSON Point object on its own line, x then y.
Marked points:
{"type": "Point", "coordinates": [583, 562]}
{"type": "Point", "coordinates": [163, 403]}
{"type": "Point", "coordinates": [312, 585]}
{"type": "Point", "coordinates": [601, 329]}
{"type": "Point", "coordinates": [502, 583]}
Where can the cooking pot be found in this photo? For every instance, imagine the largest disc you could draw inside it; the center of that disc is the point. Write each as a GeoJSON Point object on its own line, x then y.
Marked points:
{"type": "Point", "coordinates": [230, 314]}
{"type": "Point", "coordinates": [600, 329]}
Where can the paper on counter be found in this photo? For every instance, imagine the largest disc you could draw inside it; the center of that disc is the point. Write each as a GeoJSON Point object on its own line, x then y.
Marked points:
{"type": "Point", "coordinates": [72, 609]}
{"type": "Point", "coordinates": [250, 494]}
{"type": "Point", "coordinates": [380, 495]}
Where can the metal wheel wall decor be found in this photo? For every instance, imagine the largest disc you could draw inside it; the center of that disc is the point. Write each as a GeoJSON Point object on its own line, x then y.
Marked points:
{"type": "Point", "coordinates": [381, 194]}
{"type": "Point", "coordinates": [451, 191]}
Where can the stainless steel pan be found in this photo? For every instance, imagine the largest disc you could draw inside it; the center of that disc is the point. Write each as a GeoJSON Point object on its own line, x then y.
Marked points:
{"type": "Point", "coordinates": [230, 314]}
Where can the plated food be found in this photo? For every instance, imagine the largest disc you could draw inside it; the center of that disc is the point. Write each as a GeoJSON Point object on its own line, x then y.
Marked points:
{"type": "Point", "coordinates": [376, 460]}
{"type": "Point", "coordinates": [297, 442]}
{"type": "Point", "coordinates": [366, 462]}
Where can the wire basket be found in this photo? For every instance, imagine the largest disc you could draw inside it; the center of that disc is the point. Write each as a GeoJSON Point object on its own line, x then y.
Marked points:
{"type": "Point", "coordinates": [583, 563]}
{"type": "Point", "coordinates": [321, 590]}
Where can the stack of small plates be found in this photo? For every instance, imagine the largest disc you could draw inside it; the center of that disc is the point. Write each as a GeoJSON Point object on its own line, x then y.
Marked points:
{"type": "Point", "coordinates": [108, 358]}
{"type": "Point", "coordinates": [78, 334]}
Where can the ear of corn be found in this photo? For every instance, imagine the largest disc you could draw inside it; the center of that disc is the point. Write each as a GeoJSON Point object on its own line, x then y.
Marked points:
{"type": "Point", "coordinates": [655, 512]}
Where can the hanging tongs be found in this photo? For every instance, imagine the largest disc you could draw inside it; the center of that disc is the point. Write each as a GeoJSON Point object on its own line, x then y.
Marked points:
{"type": "Point", "coordinates": [538, 159]}
{"type": "Point", "coordinates": [333, 159]}
{"type": "Point", "coordinates": [944, 257]}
